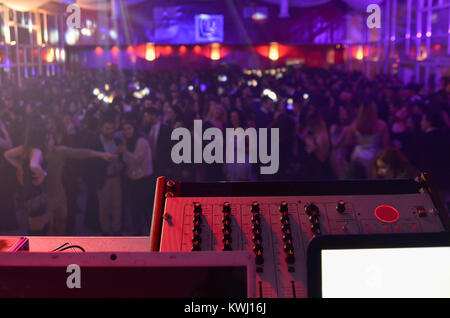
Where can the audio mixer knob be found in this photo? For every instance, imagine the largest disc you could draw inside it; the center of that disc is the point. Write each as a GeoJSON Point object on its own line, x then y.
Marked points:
{"type": "Point", "coordinates": [255, 207]}
{"type": "Point", "coordinates": [197, 220]}
{"type": "Point", "coordinates": [340, 207]}
{"type": "Point", "coordinates": [315, 226]}
{"type": "Point", "coordinates": [284, 207]}
{"type": "Point", "coordinates": [312, 209]}
{"type": "Point", "coordinates": [226, 207]}
{"type": "Point", "coordinates": [288, 247]}
{"type": "Point", "coordinates": [256, 219]}
{"type": "Point", "coordinates": [226, 230]}
{"type": "Point", "coordinates": [287, 237]}
{"type": "Point", "coordinates": [290, 259]}
{"type": "Point", "coordinates": [258, 248]}
{"type": "Point", "coordinates": [256, 230]}
{"type": "Point", "coordinates": [284, 220]}
{"type": "Point", "coordinates": [227, 247]}
{"type": "Point", "coordinates": [196, 230]}
{"type": "Point", "coordinates": [226, 219]}
{"type": "Point", "coordinates": [259, 259]}
{"type": "Point", "coordinates": [197, 208]}
{"type": "Point", "coordinates": [196, 239]}
{"type": "Point", "coordinates": [227, 238]}
{"type": "Point", "coordinates": [257, 239]}
{"type": "Point", "coordinates": [286, 229]}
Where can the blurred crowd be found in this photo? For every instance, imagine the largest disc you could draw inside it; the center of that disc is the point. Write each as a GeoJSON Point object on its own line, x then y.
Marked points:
{"type": "Point", "coordinates": [92, 142]}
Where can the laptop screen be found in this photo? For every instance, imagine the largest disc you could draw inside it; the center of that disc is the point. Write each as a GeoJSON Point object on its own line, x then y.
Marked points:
{"type": "Point", "coordinates": [386, 272]}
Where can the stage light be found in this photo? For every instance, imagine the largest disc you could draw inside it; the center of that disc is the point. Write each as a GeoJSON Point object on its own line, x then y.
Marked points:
{"type": "Point", "coordinates": [428, 34]}
{"type": "Point", "coordinates": [98, 50]}
{"type": "Point", "coordinates": [305, 96]}
{"type": "Point", "coordinates": [96, 91]}
{"type": "Point", "coordinates": [359, 53]}
{"type": "Point", "coordinates": [222, 78]}
{"type": "Point", "coordinates": [106, 87]}
{"type": "Point", "coordinates": [86, 32]}
{"type": "Point", "coordinates": [419, 35]}
{"type": "Point", "coordinates": [408, 36]}
{"type": "Point", "coordinates": [113, 34]}
{"type": "Point", "coordinates": [50, 55]}
{"type": "Point", "coordinates": [100, 96]}
{"type": "Point", "coordinates": [115, 50]}
{"type": "Point", "coordinates": [182, 49]}
{"type": "Point", "coordinates": [392, 38]}
{"type": "Point", "coordinates": [190, 88]}
{"type": "Point", "coordinates": [273, 51]}
{"type": "Point", "coordinates": [150, 54]}
{"type": "Point", "coordinates": [12, 43]}
{"type": "Point", "coordinates": [215, 51]}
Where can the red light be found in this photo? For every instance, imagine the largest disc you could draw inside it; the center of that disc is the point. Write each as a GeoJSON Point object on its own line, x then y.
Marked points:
{"type": "Point", "coordinates": [98, 50]}
{"type": "Point", "coordinates": [386, 213]}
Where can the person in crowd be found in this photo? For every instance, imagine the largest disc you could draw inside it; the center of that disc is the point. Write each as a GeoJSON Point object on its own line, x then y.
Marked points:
{"type": "Point", "coordinates": [8, 220]}
{"type": "Point", "coordinates": [158, 135]}
{"type": "Point", "coordinates": [392, 164]}
{"type": "Point", "coordinates": [137, 155]}
{"type": "Point", "coordinates": [30, 170]}
{"type": "Point", "coordinates": [106, 176]}
{"type": "Point", "coordinates": [367, 135]}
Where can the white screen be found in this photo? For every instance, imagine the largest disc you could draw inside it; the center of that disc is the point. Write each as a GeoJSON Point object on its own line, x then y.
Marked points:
{"type": "Point", "coordinates": [391, 273]}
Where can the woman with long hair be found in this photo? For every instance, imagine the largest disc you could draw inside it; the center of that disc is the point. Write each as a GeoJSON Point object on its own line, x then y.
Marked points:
{"type": "Point", "coordinates": [392, 164]}
{"type": "Point", "coordinates": [30, 165]}
{"type": "Point", "coordinates": [46, 204]}
{"type": "Point", "coordinates": [8, 220]}
{"type": "Point", "coordinates": [137, 155]}
{"type": "Point", "coordinates": [367, 135]}
{"type": "Point", "coordinates": [316, 143]}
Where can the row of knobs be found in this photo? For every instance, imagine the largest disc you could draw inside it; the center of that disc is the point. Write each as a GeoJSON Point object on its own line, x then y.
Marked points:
{"type": "Point", "coordinates": [287, 233]}
{"type": "Point", "coordinates": [311, 210]}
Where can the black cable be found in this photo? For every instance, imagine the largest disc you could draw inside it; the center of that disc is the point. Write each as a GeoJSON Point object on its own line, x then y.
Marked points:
{"type": "Point", "coordinates": [60, 246]}
{"type": "Point", "coordinates": [72, 246]}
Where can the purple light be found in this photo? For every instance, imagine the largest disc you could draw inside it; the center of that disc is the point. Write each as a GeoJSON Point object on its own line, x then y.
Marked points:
{"type": "Point", "coordinates": [408, 36]}
{"type": "Point", "coordinates": [393, 38]}
{"type": "Point", "coordinates": [202, 87]}
{"type": "Point", "coordinates": [419, 35]}
{"type": "Point", "coordinates": [428, 34]}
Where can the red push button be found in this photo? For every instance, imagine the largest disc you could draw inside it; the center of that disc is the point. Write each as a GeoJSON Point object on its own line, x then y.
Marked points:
{"type": "Point", "coordinates": [386, 213]}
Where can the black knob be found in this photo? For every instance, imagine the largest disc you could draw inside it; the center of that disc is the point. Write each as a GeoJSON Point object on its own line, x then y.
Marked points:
{"type": "Point", "coordinates": [257, 238]}
{"type": "Point", "coordinates": [226, 219]}
{"type": "Point", "coordinates": [286, 229]}
{"type": "Point", "coordinates": [256, 219]}
{"type": "Point", "coordinates": [284, 220]}
{"type": "Point", "coordinates": [316, 231]}
{"type": "Point", "coordinates": [226, 230]}
{"type": "Point", "coordinates": [259, 259]}
{"type": "Point", "coordinates": [311, 209]}
{"type": "Point", "coordinates": [287, 237]}
{"type": "Point", "coordinates": [314, 219]}
{"type": "Point", "coordinates": [284, 207]}
{"type": "Point", "coordinates": [290, 259]}
{"type": "Point", "coordinates": [196, 230]}
{"type": "Point", "coordinates": [340, 207]}
{"type": "Point", "coordinates": [196, 248]}
{"type": "Point", "coordinates": [255, 207]}
{"type": "Point", "coordinates": [256, 230]}
{"type": "Point", "coordinates": [315, 226]}
{"type": "Point", "coordinates": [196, 239]}
{"type": "Point", "coordinates": [226, 207]}
{"type": "Point", "coordinates": [227, 238]}
{"type": "Point", "coordinates": [257, 248]}
{"type": "Point", "coordinates": [197, 220]}
{"type": "Point", "coordinates": [197, 208]}
{"type": "Point", "coordinates": [288, 247]}
{"type": "Point", "coordinates": [227, 247]}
